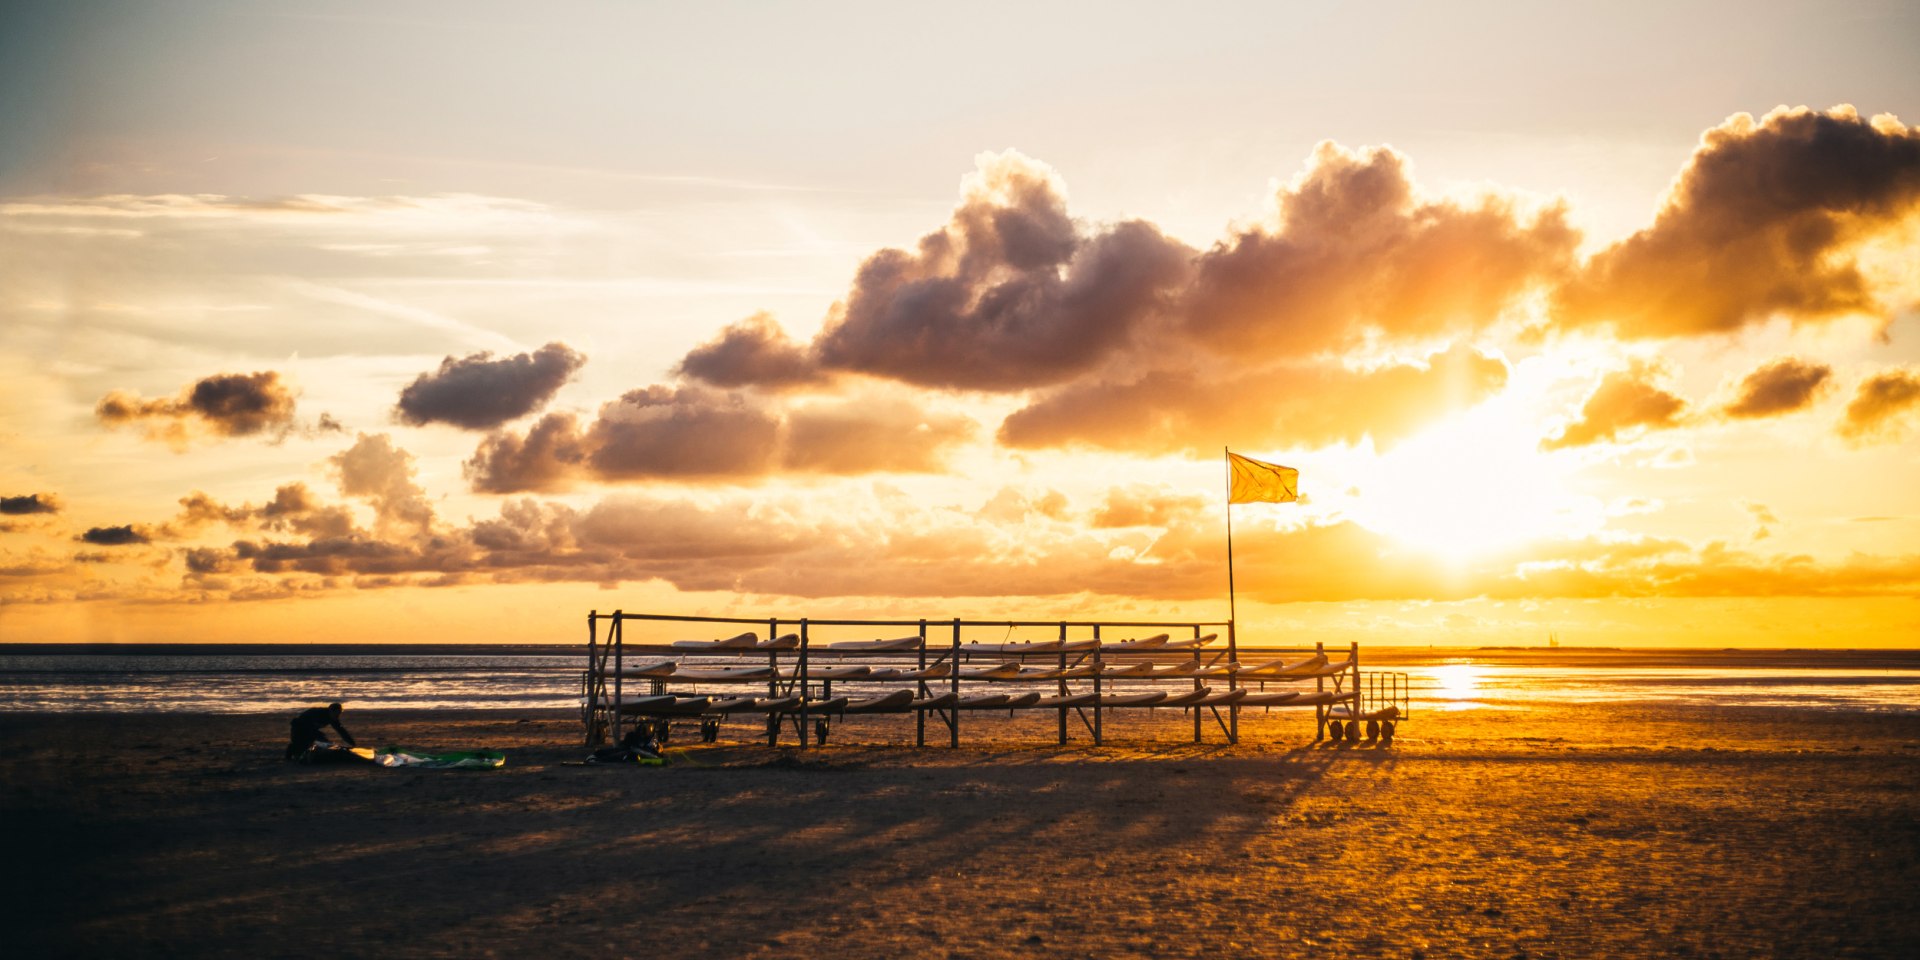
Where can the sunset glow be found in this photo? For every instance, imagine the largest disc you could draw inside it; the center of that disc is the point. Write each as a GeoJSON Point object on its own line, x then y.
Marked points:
{"type": "Point", "coordinates": [664, 309]}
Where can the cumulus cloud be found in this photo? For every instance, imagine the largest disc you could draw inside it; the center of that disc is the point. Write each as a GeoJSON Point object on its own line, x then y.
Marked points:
{"type": "Point", "coordinates": [1356, 252]}
{"type": "Point", "coordinates": [1009, 294]}
{"type": "Point", "coordinates": [1126, 339]}
{"type": "Point", "coordinates": [1768, 218]}
{"type": "Point", "coordinates": [228, 404]}
{"type": "Point", "coordinates": [477, 392]}
{"type": "Point", "coordinates": [1624, 401]}
{"type": "Point", "coordinates": [376, 470]}
{"type": "Point", "coordinates": [695, 433]}
{"type": "Point", "coordinates": [754, 352]}
{"type": "Point", "coordinates": [1780, 387]}
{"type": "Point", "coordinates": [28, 504]}
{"type": "Point", "coordinates": [662, 431]}
{"type": "Point", "coordinates": [1185, 410]}
{"type": "Point", "coordinates": [1881, 407]}
{"type": "Point", "coordinates": [551, 456]}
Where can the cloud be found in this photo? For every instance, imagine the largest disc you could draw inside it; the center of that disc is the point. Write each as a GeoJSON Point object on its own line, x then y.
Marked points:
{"type": "Point", "coordinates": [1009, 294]}
{"type": "Point", "coordinates": [114, 536]}
{"type": "Point", "coordinates": [28, 504]}
{"type": "Point", "coordinates": [661, 431]}
{"type": "Point", "coordinates": [228, 405]}
{"type": "Point", "coordinates": [1289, 404]}
{"type": "Point", "coordinates": [375, 470]}
{"type": "Point", "coordinates": [1767, 219]}
{"type": "Point", "coordinates": [1356, 252]}
{"type": "Point", "coordinates": [754, 352]}
{"type": "Point", "coordinates": [550, 457]}
{"type": "Point", "coordinates": [477, 392]}
{"type": "Point", "coordinates": [1624, 400]}
{"type": "Point", "coordinates": [1780, 387]}
{"type": "Point", "coordinates": [1880, 408]}
{"type": "Point", "coordinates": [695, 433]}
{"type": "Point", "coordinates": [867, 437]}
{"type": "Point", "coordinates": [1143, 505]}
{"type": "Point", "coordinates": [1126, 339]}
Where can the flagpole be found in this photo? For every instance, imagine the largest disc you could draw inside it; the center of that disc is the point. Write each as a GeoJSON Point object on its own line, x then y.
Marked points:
{"type": "Point", "coordinates": [1227, 462]}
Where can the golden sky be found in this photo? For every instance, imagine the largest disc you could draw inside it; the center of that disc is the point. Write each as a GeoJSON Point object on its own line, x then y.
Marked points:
{"type": "Point", "coordinates": [417, 322]}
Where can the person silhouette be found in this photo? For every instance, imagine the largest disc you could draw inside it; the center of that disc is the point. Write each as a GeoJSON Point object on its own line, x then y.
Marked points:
{"type": "Point", "coordinates": [308, 727]}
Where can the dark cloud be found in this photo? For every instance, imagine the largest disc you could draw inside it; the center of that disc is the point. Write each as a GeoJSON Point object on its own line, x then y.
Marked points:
{"type": "Point", "coordinates": [1880, 408]}
{"type": "Point", "coordinates": [296, 508]}
{"type": "Point", "coordinates": [1304, 403]}
{"type": "Point", "coordinates": [694, 433]}
{"type": "Point", "coordinates": [210, 560]}
{"type": "Point", "coordinates": [1624, 400]}
{"type": "Point", "coordinates": [1767, 219]}
{"type": "Point", "coordinates": [1007, 295]}
{"type": "Point", "coordinates": [114, 536]}
{"type": "Point", "coordinates": [550, 457]}
{"type": "Point", "coordinates": [755, 352]}
{"type": "Point", "coordinates": [29, 504]}
{"type": "Point", "coordinates": [228, 404]}
{"type": "Point", "coordinates": [1356, 253]}
{"type": "Point", "coordinates": [478, 392]}
{"type": "Point", "coordinates": [1783, 386]}
{"type": "Point", "coordinates": [663, 431]}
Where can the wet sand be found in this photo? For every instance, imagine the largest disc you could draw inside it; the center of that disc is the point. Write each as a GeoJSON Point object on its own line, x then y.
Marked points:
{"type": "Point", "coordinates": [1606, 831]}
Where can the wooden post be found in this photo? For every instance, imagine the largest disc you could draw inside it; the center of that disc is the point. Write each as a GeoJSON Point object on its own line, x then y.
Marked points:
{"type": "Point", "coordinates": [1098, 669]}
{"type": "Point", "coordinates": [920, 716]}
{"type": "Point", "coordinates": [953, 731]}
{"type": "Point", "coordinates": [1233, 680]}
{"type": "Point", "coordinates": [596, 677]}
{"type": "Point", "coordinates": [1196, 682]}
{"type": "Point", "coordinates": [619, 665]}
{"type": "Point", "coordinates": [1063, 681]}
{"type": "Point", "coordinates": [1354, 654]}
{"type": "Point", "coordinates": [773, 683]}
{"type": "Point", "coordinates": [1319, 709]}
{"type": "Point", "coordinates": [802, 670]}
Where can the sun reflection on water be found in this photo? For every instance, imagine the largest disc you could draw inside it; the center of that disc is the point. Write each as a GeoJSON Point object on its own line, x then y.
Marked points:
{"type": "Point", "coordinates": [1456, 685]}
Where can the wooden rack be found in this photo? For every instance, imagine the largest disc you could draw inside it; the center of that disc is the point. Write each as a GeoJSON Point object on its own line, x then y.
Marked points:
{"type": "Point", "coordinates": [805, 674]}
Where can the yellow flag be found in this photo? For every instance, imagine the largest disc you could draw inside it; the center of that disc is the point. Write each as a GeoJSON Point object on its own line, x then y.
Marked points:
{"type": "Point", "coordinates": [1256, 481]}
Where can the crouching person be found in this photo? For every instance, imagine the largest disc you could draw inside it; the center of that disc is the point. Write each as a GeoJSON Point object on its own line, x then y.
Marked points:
{"type": "Point", "coordinates": [309, 727]}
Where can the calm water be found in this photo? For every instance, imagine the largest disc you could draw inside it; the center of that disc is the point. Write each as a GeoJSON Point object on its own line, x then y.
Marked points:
{"type": "Point", "coordinates": [274, 679]}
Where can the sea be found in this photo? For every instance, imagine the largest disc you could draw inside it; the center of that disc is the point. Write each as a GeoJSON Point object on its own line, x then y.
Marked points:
{"type": "Point", "coordinates": [265, 678]}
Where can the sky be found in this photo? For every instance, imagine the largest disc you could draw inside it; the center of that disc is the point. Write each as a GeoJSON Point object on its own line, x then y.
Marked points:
{"type": "Point", "coordinates": [385, 322]}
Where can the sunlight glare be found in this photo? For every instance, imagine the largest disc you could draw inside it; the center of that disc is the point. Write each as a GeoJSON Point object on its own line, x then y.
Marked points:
{"type": "Point", "coordinates": [1456, 683]}
{"type": "Point", "coordinates": [1471, 486]}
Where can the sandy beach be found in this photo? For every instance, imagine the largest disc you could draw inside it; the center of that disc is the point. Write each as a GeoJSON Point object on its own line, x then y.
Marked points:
{"type": "Point", "coordinates": [1604, 831]}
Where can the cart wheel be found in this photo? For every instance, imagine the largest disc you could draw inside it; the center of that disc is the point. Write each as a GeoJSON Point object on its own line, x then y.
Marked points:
{"type": "Point", "coordinates": [709, 731]}
{"type": "Point", "coordinates": [820, 732]}
{"type": "Point", "coordinates": [1386, 731]}
{"type": "Point", "coordinates": [1353, 731]}
{"type": "Point", "coordinates": [663, 731]}
{"type": "Point", "coordinates": [1333, 730]}
{"type": "Point", "coordinates": [1373, 729]}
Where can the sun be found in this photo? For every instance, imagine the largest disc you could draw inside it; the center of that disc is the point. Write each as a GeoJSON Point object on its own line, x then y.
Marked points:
{"type": "Point", "coordinates": [1472, 486]}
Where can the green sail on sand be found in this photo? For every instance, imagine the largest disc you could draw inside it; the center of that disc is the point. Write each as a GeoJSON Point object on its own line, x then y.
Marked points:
{"type": "Point", "coordinates": [445, 760]}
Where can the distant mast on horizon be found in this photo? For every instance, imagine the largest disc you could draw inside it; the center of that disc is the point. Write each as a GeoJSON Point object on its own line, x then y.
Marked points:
{"type": "Point", "coordinates": [1553, 640]}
